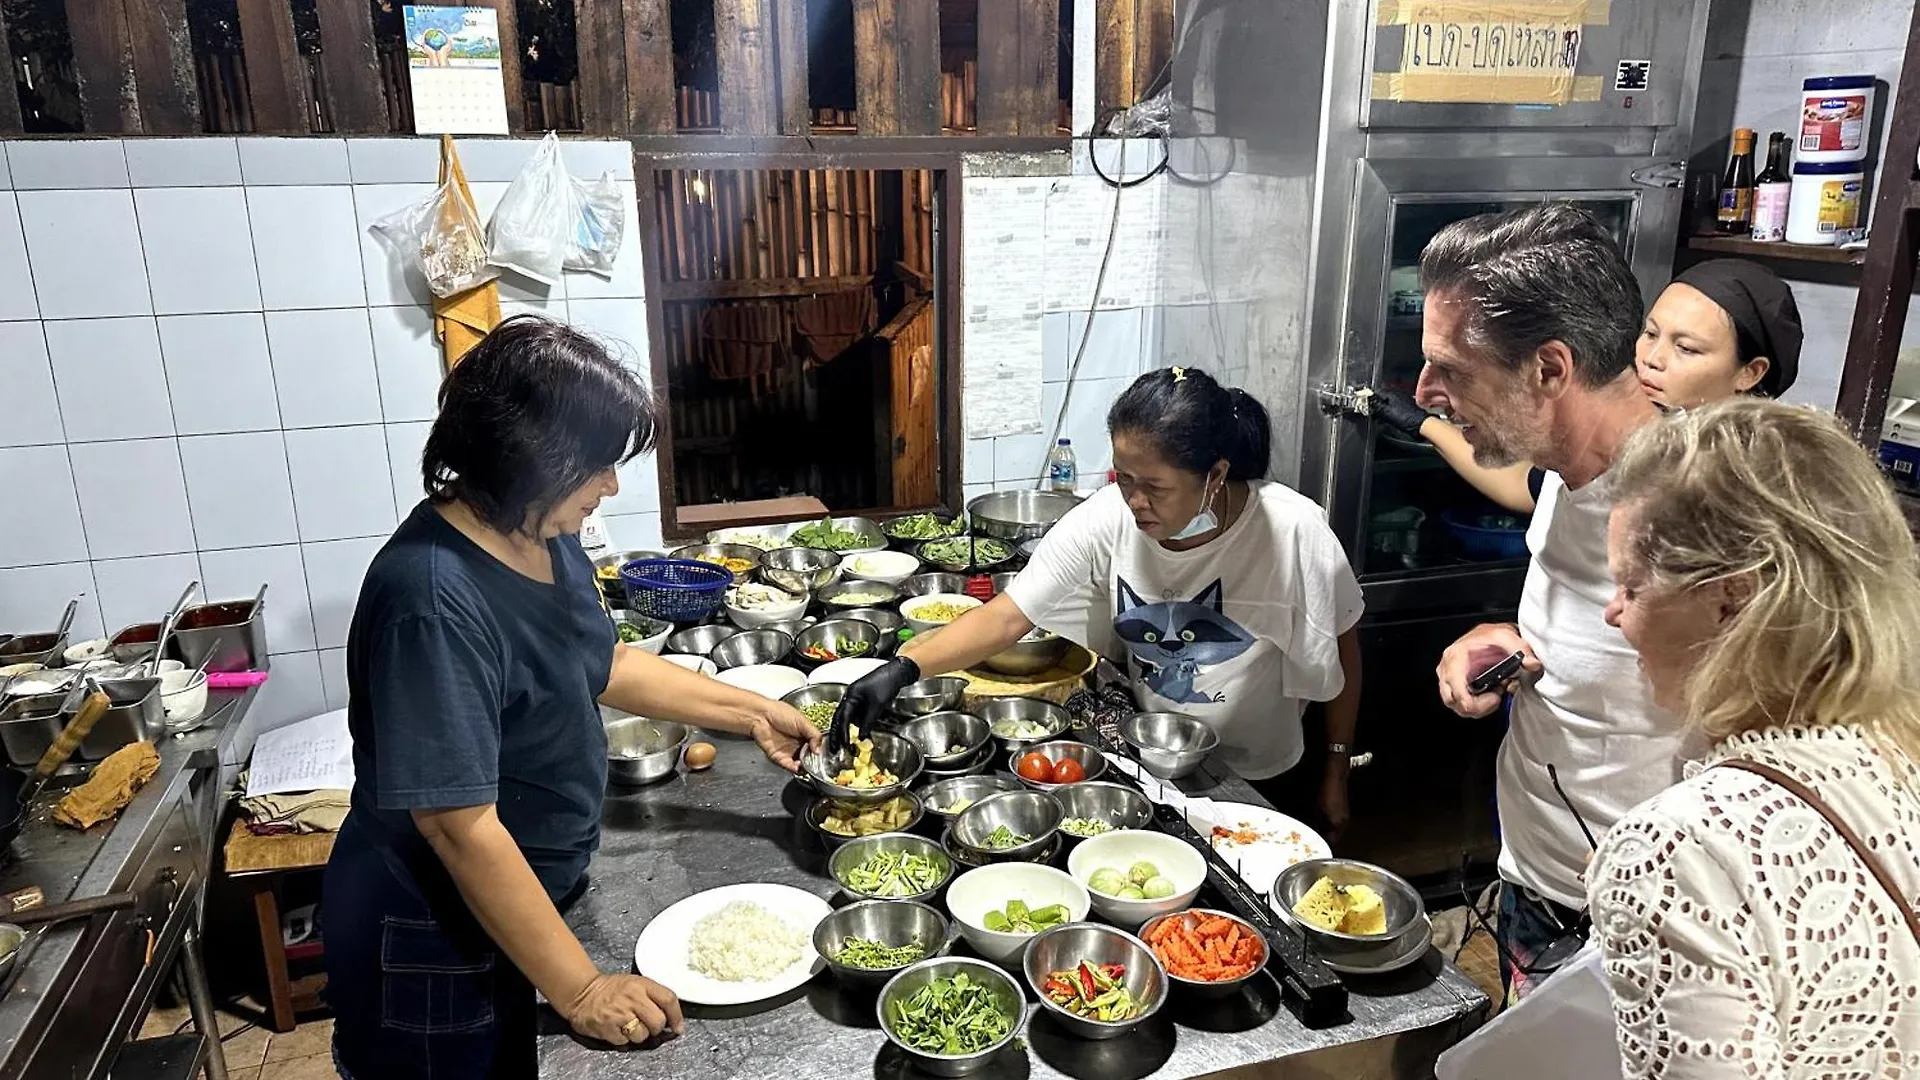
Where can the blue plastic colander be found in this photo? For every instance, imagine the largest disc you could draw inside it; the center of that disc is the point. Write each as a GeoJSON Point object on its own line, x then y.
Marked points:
{"type": "Point", "coordinates": [678, 590]}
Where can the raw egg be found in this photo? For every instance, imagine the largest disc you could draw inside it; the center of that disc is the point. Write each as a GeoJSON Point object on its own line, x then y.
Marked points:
{"type": "Point", "coordinates": [700, 755]}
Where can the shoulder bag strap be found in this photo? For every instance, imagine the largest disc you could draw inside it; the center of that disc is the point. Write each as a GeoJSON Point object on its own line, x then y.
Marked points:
{"type": "Point", "coordinates": [1806, 795]}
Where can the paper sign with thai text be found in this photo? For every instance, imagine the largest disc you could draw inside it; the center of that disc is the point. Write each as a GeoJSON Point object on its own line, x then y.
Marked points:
{"type": "Point", "coordinates": [453, 65]}
{"type": "Point", "coordinates": [1509, 53]}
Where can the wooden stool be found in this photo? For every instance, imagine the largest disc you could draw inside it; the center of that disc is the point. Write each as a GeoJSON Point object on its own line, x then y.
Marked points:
{"type": "Point", "coordinates": [261, 860]}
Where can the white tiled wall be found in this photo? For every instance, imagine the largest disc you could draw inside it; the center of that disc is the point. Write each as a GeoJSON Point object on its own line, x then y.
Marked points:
{"type": "Point", "coordinates": [1758, 53]}
{"type": "Point", "coordinates": [208, 369]}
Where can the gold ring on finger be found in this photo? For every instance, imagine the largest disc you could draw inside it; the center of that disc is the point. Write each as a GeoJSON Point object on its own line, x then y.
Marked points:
{"type": "Point", "coordinates": [630, 1027]}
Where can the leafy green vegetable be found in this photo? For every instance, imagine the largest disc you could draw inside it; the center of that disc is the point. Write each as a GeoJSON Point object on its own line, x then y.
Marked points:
{"type": "Point", "coordinates": [628, 632]}
{"type": "Point", "coordinates": [966, 551]}
{"type": "Point", "coordinates": [1002, 838]}
{"type": "Point", "coordinates": [922, 527]}
{"type": "Point", "coordinates": [894, 873]}
{"type": "Point", "coordinates": [878, 955]}
{"type": "Point", "coordinates": [1081, 826]}
{"type": "Point", "coordinates": [824, 535]}
{"type": "Point", "coordinates": [952, 1015]}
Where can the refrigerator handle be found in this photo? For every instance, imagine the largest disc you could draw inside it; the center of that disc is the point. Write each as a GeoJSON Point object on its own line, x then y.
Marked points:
{"type": "Point", "coordinates": [1353, 401]}
{"type": "Point", "coordinates": [1662, 174]}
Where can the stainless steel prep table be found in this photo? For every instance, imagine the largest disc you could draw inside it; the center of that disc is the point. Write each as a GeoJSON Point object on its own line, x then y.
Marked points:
{"type": "Point", "coordinates": [736, 822]}
{"type": "Point", "coordinates": [78, 989]}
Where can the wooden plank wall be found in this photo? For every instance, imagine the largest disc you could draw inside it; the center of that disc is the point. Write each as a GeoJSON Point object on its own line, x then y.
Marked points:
{"type": "Point", "coordinates": [766, 224]}
{"type": "Point", "coordinates": [1129, 55]}
{"type": "Point", "coordinates": [1019, 67]}
{"type": "Point", "coordinates": [896, 50]}
{"type": "Point", "coordinates": [133, 64]}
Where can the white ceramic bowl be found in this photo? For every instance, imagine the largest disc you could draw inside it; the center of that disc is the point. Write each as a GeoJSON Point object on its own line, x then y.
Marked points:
{"type": "Point", "coordinates": [988, 888]}
{"type": "Point", "coordinates": [692, 663]}
{"type": "Point", "coordinates": [168, 665]}
{"type": "Point", "coordinates": [1176, 860]}
{"type": "Point", "coordinates": [848, 671]}
{"type": "Point", "coordinates": [922, 626]}
{"type": "Point", "coordinates": [183, 695]}
{"type": "Point", "coordinates": [757, 617]}
{"type": "Point", "coordinates": [886, 567]}
{"type": "Point", "coordinates": [773, 681]}
{"type": "Point", "coordinates": [85, 651]}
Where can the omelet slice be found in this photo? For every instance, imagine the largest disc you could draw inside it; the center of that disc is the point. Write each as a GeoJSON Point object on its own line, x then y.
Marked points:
{"type": "Point", "coordinates": [1322, 906]}
{"type": "Point", "coordinates": [1365, 913]}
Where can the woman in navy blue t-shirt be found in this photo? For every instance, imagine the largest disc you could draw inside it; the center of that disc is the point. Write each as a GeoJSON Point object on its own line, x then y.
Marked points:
{"type": "Point", "coordinates": [476, 664]}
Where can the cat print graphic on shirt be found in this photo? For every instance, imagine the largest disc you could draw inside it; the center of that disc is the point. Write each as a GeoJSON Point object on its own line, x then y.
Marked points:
{"type": "Point", "coordinates": [1175, 641]}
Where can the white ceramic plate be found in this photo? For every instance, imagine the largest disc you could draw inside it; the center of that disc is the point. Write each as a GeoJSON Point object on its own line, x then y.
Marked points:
{"type": "Point", "coordinates": [773, 681]}
{"type": "Point", "coordinates": [1278, 841]}
{"type": "Point", "coordinates": [846, 671]}
{"type": "Point", "coordinates": [661, 952]}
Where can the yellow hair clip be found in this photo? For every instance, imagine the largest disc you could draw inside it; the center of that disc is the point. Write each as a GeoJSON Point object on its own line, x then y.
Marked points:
{"type": "Point", "coordinates": [1179, 374]}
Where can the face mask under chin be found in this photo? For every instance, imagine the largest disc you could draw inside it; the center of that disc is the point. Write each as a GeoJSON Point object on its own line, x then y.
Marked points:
{"type": "Point", "coordinates": [1201, 523]}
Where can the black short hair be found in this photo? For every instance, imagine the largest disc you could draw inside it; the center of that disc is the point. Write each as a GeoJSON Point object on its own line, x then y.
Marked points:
{"type": "Point", "coordinates": [1195, 422]}
{"type": "Point", "coordinates": [1549, 272]}
{"type": "Point", "coordinates": [530, 415]}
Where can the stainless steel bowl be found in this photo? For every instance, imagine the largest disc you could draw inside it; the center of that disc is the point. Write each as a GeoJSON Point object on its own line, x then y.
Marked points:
{"type": "Point", "coordinates": [871, 538]}
{"type": "Point", "coordinates": [1169, 745]}
{"type": "Point", "coordinates": [800, 570]}
{"type": "Point", "coordinates": [1117, 805]}
{"type": "Point", "coordinates": [947, 739]}
{"type": "Point", "coordinates": [653, 632]}
{"type": "Point", "coordinates": [1001, 712]}
{"type": "Point", "coordinates": [1000, 582]}
{"type": "Point", "coordinates": [1037, 652]}
{"type": "Point", "coordinates": [713, 553]}
{"type": "Point", "coordinates": [963, 554]}
{"type": "Point", "coordinates": [1063, 947]}
{"type": "Point", "coordinates": [1405, 910]}
{"type": "Point", "coordinates": [890, 752]}
{"type": "Point", "coordinates": [816, 818]}
{"type": "Point", "coordinates": [859, 850]}
{"type": "Point", "coordinates": [928, 696]}
{"type": "Point", "coordinates": [927, 584]}
{"type": "Point", "coordinates": [966, 766]}
{"type": "Point", "coordinates": [1203, 988]}
{"type": "Point", "coordinates": [953, 525]}
{"type": "Point", "coordinates": [816, 694]}
{"type": "Point", "coordinates": [751, 647]}
{"type": "Point", "coordinates": [970, 859]}
{"type": "Point", "coordinates": [892, 923]}
{"type": "Point", "coordinates": [887, 622]}
{"type": "Point", "coordinates": [640, 751]}
{"type": "Point", "coordinates": [700, 640]}
{"type": "Point", "coordinates": [844, 638]}
{"type": "Point", "coordinates": [1089, 757]}
{"type": "Point", "coordinates": [1033, 814]}
{"type": "Point", "coordinates": [1007, 996]}
{"type": "Point", "coordinates": [940, 794]}
{"type": "Point", "coordinates": [1015, 516]}
{"type": "Point", "coordinates": [863, 594]}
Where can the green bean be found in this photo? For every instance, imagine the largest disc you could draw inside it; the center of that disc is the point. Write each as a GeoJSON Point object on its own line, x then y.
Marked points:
{"type": "Point", "coordinates": [877, 955]}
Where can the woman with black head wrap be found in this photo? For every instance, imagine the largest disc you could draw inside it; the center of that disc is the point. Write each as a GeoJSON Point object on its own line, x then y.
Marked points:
{"type": "Point", "coordinates": [1720, 328]}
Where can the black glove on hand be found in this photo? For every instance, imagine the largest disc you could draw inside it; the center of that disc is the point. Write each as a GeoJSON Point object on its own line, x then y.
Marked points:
{"type": "Point", "coordinates": [1397, 409]}
{"type": "Point", "coordinates": [869, 698]}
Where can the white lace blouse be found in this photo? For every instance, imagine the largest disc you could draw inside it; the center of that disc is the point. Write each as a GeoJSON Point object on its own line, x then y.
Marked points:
{"type": "Point", "coordinates": [1744, 938]}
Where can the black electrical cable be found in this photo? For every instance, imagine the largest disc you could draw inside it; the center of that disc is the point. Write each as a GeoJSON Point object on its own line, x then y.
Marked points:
{"type": "Point", "coordinates": [1166, 155]}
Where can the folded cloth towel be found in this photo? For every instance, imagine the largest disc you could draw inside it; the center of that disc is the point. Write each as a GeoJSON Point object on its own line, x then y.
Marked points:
{"type": "Point", "coordinates": [461, 320]}
{"type": "Point", "coordinates": [746, 342]}
{"type": "Point", "coordinates": [297, 811]}
{"type": "Point", "coordinates": [831, 323]}
{"type": "Point", "coordinates": [111, 787]}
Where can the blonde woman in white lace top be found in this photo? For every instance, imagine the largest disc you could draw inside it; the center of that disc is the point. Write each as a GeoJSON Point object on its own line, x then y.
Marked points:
{"type": "Point", "coordinates": [1767, 580]}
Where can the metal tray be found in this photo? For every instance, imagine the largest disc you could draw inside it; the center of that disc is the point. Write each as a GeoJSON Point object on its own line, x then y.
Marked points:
{"type": "Point", "coordinates": [28, 726]}
{"type": "Point", "coordinates": [135, 715]}
{"type": "Point", "coordinates": [236, 639]}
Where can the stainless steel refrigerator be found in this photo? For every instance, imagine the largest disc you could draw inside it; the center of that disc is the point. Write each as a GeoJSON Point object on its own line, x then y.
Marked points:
{"type": "Point", "coordinates": [1315, 148]}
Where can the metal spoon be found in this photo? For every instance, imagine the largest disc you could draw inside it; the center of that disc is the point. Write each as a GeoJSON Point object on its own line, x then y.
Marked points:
{"type": "Point", "coordinates": [166, 627]}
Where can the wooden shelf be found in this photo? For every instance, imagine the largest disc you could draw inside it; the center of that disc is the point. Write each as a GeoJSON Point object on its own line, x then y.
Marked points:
{"type": "Point", "coordinates": [1755, 249]}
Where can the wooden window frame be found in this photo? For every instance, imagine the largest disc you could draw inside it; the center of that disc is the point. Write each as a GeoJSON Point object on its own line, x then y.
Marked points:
{"type": "Point", "coordinates": [936, 154]}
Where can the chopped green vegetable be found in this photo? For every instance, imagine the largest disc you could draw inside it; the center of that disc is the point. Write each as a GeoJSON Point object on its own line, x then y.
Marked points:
{"type": "Point", "coordinates": [1084, 826]}
{"type": "Point", "coordinates": [1015, 918]}
{"type": "Point", "coordinates": [953, 1015]}
{"type": "Point", "coordinates": [922, 527]}
{"type": "Point", "coordinates": [1002, 838]}
{"type": "Point", "coordinates": [966, 551]}
{"type": "Point", "coordinates": [893, 874]}
{"type": "Point", "coordinates": [871, 955]}
{"type": "Point", "coordinates": [825, 535]}
{"type": "Point", "coordinates": [1093, 992]}
{"type": "Point", "coordinates": [820, 713]}
{"type": "Point", "coordinates": [629, 633]}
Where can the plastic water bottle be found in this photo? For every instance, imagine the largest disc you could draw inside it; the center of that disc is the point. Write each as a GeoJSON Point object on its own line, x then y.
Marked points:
{"type": "Point", "coordinates": [1061, 474]}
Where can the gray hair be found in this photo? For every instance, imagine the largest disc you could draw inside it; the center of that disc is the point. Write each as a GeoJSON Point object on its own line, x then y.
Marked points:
{"type": "Point", "coordinates": [1541, 273]}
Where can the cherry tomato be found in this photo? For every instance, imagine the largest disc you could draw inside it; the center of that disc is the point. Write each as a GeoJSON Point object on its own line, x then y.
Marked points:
{"type": "Point", "coordinates": [1035, 767]}
{"type": "Point", "coordinates": [1068, 771]}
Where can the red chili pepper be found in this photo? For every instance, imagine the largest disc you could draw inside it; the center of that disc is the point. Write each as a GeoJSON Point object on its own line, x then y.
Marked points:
{"type": "Point", "coordinates": [1057, 985]}
{"type": "Point", "coordinates": [1087, 983]}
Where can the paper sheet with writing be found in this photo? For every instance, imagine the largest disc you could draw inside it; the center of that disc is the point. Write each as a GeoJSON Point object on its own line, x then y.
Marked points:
{"type": "Point", "coordinates": [313, 754]}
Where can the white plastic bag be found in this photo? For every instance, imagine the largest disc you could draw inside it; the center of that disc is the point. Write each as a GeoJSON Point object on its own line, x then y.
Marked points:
{"type": "Point", "coordinates": [529, 230]}
{"type": "Point", "coordinates": [442, 239]}
{"type": "Point", "coordinates": [599, 224]}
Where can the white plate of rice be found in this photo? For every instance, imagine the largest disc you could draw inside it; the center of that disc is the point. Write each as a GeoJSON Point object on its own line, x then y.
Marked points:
{"type": "Point", "coordinates": [733, 945]}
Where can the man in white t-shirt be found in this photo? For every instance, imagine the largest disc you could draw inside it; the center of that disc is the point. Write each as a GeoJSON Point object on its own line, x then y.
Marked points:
{"type": "Point", "coordinates": [1529, 332]}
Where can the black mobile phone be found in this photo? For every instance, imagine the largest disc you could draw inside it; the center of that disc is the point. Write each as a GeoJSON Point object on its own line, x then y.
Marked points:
{"type": "Point", "coordinates": [1497, 676]}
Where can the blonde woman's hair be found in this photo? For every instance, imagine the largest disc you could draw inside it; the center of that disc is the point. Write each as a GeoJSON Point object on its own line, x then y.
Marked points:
{"type": "Point", "coordinates": [1779, 503]}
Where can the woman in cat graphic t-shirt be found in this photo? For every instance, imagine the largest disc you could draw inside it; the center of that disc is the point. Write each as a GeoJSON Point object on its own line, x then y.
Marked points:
{"type": "Point", "coordinates": [1225, 596]}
